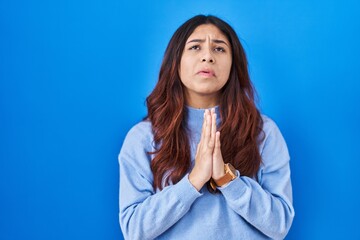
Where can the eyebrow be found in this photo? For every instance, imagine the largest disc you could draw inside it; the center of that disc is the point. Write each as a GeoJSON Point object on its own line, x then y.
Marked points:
{"type": "Point", "coordinates": [203, 40]}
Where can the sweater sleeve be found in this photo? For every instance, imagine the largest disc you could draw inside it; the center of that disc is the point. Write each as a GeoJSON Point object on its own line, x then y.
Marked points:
{"type": "Point", "coordinates": [144, 213]}
{"type": "Point", "coordinates": [267, 203]}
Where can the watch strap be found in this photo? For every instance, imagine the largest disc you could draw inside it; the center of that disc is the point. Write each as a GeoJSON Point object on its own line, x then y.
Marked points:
{"type": "Point", "coordinates": [230, 174]}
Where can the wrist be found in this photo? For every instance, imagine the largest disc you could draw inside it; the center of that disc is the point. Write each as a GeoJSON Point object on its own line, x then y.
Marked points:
{"type": "Point", "coordinates": [219, 172]}
{"type": "Point", "coordinates": [195, 181]}
{"type": "Point", "coordinates": [230, 174]}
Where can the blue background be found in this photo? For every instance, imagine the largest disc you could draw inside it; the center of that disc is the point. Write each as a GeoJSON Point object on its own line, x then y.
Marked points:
{"type": "Point", "coordinates": [74, 76]}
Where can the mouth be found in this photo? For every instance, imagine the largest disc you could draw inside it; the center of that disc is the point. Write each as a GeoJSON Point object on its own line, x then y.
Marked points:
{"type": "Point", "coordinates": [206, 73]}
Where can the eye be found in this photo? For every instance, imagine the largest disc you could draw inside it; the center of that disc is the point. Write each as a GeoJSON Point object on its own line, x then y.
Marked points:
{"type": "Point", "coordinates": [195, 47]}
{"type": "Point", "coordinates": [219, 49]}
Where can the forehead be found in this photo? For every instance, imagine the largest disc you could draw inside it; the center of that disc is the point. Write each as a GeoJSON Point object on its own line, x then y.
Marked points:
{"type": "Point", "coordinates": [208, 30]}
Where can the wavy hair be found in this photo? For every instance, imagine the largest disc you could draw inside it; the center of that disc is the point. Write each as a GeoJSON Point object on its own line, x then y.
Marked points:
{"type": "Point", "coordinates": [241, 122]}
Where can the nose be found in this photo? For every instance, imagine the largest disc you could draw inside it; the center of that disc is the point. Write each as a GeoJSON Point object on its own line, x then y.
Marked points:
{"type": "Point", "coordinates": [210, 60]}
{"type": "Point", "coordinates": [208, 57]}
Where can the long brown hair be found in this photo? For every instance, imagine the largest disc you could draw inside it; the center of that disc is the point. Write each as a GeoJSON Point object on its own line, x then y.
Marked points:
{"type": "Point", "coordinates": [241, 122]}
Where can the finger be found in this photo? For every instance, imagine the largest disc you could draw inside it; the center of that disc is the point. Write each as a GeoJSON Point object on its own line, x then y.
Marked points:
{"type": "Point", "coordinates": [197, 148]}
{"type": "Point", "coordinates": [213, 127]}
{"type": "Point", "coordinates": [207, 127]}
{"type": "Point", "coordinates": [217, 147]}
{"type": "Point", "coordinates": [203, 128]}
{"type": "Point", "coordinates": [218, 162]}
{"type": "Point", "coordinates": [217, 142]}
{"type": "Point", "coordinates": [217, 157]}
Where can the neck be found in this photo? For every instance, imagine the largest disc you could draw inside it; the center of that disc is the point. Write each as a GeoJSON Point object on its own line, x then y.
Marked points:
{"type": "Point", "coordinates": [195, 119]}
{"type": "Point", "coordinates": [202, 102]}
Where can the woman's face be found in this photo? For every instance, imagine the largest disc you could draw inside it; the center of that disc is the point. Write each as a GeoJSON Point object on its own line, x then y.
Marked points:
{"type": "Point", "coordinates": [205, 66]}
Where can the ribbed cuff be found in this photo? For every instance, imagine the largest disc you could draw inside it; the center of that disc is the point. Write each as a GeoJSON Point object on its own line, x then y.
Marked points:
{"type": "Point", "coordinates": [233, 189]}
{"type": "Point", "coordinates": [186, 191]}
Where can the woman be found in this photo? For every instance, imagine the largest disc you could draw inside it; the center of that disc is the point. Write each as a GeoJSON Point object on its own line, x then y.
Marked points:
{"type": "Point", "coordinates": [204, 163]}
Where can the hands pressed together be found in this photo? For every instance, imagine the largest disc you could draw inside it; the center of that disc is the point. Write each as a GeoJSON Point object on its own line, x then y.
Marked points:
{"type": "Point", "coordinates": [208, 160]}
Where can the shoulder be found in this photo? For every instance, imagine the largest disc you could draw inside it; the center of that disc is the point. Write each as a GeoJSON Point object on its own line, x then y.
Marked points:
{"type": "Point", "coordinates": [268, 124]}
{"type": "Point", "coordinates": [139, 137]}
{"type": "Point", "coordinates": [270, 128]}
{"type": "Point", "coordinates": [140, 132]}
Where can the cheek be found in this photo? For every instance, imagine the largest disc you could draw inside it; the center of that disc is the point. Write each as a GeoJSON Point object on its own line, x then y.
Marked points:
{"type": "Point", "coordinates": [226, 68]}
{"type": "Point", "coordinates": [181, 69]}
{"type": "Point", "coordinates": [185, 69]}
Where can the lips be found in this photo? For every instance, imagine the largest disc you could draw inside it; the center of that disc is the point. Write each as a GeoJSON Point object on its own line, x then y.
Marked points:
{"type": "Point", "coordinates": [206, 73]}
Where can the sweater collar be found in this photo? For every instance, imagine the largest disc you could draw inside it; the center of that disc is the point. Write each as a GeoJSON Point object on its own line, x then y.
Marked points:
{"type": "Point", "coordinates": [195, 117]}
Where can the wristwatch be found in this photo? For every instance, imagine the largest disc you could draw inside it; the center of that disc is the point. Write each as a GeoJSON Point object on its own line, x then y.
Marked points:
{"type": "Point", "coordinates": [230, 174]}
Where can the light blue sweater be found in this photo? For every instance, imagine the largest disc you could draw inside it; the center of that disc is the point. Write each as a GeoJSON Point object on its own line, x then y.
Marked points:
{"type": "Point", "coordinates": [245, 208]}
